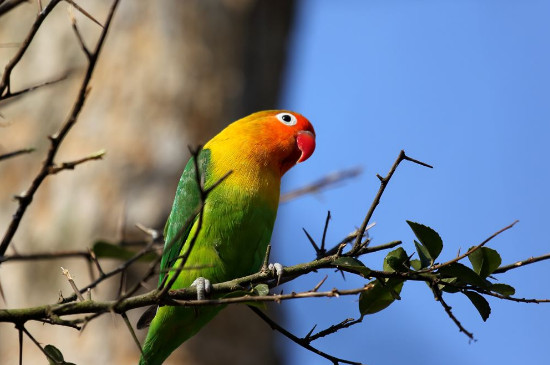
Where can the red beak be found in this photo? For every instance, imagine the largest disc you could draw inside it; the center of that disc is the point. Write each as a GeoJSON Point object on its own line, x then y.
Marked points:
{"type": "Point", "coordinates": [306, 143]}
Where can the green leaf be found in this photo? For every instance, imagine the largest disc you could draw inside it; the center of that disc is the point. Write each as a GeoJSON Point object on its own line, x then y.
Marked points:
{"type": "Point", "coordinates": [261, 290]}
{"type": "Point", "coordinates": [380, 296]}
{"type": "Point", "coordinates": [503, 289]}
{"type": "Point", "coordinates": [104, 249]}
{"type": "Point", "coordinates": [423, 254]}
{"type": "Point", "coordinates": [447, 288]}
{"type": "Point", "coordinates": [463, 273]}
{"type": "Point", "coordinates": [397, 260]}
{"type": "Point", "coordinates": [480, 303]}
{"type": "Point", "coordinates": [352, 264]}
{"type": "Point", "coordinates": [485, 260]}
{"type": "Point", "coordinates": [55, 356]}
{"type": "Point", "coordinates": [429, 238]}
{"type": "Point", "coordinates": [416, 264]}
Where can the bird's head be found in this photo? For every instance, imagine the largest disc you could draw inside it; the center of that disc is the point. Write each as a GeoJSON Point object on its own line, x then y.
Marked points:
{"type": "Point", "coordinates": [279, 138]}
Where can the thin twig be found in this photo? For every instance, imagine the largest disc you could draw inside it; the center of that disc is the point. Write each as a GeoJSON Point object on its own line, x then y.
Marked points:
{"type": "Point", "coordinates": [72, 164]}
{"type": "Point", "coordinates": [265, 264]}
{"type": "Point", "coordinates": [124, 266]}
{"type": "Point", "coordinates": [73, 285]}
{"type": "Point", "coordinates": [22, 328]}
{"type": "Point", "coordinates": [348, 322]}
{"type": "Point", "coordinates": [20, 345]}
{"type": "Point", "coordinates": [85, 13]}
{"type": "Point", "coordinates": [45, 256]}
{"type": "Point", "coordinates": [79, 35]}
{"type": "Point", "coordinates": [316, 287]}
{"type": "Point", "coordinates": [7, 5]}
{"type": "Point", "coordinates": [448, 310]}
{"type": "Point", "coordinates": [470, 251]}
{"type": "Point", "coordinates": [15, 94]}
{"type": "Point", "coordinates": [132, 332]}
{"type": "Point", "coordinates": [16, 153]}
{"type": "Point", "coordinates": [5, 81]}
{"type": "Point", "coordinates": [323, 251]}
{"type": "Point", "coordinates": [522, 263]}
{"type": "Point", "coordinates": [383, 183]}
{"type": "Point", "coordinates": [313, 243]}
{"type": "Point", "coordinates": [299, 341]}
{"type": "Point", "coordinates": [323, 183]}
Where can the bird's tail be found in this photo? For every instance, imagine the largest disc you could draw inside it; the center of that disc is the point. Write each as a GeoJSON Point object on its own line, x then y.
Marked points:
{"type": "Point", "coordinates": [170, 328]}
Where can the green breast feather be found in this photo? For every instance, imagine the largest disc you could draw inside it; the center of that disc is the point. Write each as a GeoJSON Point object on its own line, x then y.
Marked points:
{"type": "Point", "coordinates": [236, 228]}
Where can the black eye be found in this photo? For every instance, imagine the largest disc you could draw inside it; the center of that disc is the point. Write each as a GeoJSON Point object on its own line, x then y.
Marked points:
{"type": "Point", "coordinates": [287, 118]}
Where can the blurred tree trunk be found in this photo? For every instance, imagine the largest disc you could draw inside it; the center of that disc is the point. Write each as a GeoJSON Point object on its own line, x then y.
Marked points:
{"type": "Point", "coordinates": [172, 74]}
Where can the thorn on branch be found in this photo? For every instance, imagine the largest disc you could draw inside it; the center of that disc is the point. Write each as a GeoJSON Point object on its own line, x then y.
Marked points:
{"type": "Point", "coordinates": [322, 250]}
{"type": "Point", "coordinates": [73, 285]}
{"type": "Point", "coordinates": [319, 284]}
{"type": "Point", "coordinates": [312, 241]}
{"type": "Point", "coordinates": [84, 12]}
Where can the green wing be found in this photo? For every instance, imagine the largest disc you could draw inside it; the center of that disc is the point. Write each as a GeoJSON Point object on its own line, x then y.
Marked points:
{"type": "Point", "coordinates": [184, 211]}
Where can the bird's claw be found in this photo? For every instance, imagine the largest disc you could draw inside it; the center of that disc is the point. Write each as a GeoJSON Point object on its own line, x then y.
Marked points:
{"type": "Point", "coordinates": [277, 269]}
{"type": "Point", "coordinates": [203, 287]}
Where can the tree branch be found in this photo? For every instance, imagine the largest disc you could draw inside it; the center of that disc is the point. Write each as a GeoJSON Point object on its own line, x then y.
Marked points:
{"type": "Point", "coordinates": [55, 141]}
{"type": "Point", "coordinates": [383, 183]}
{"type": "Point", "coordinates": [299, 341]}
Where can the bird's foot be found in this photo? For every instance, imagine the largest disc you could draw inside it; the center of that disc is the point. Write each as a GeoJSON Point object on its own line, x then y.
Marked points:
{"type": "Point", "coordinates": [277, 269]}
{"type": "Point", "coordinates": [203, 287]}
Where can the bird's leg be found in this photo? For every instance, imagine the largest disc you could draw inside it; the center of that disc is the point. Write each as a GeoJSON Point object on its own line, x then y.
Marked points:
{"type": "Point", "coordinates": [203, 287]}
{"type": "Point", "coordinates": [276, 268]}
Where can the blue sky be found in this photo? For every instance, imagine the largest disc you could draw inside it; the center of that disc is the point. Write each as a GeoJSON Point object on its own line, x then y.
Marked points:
{"type": "Point", "coordinates": [463, 85]}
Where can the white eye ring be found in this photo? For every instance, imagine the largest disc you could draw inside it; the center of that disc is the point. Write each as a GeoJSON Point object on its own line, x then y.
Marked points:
{"type": "Point", "coordinates": [287, 119]}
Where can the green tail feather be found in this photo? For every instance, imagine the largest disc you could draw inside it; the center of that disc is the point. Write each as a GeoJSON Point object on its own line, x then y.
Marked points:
{"type": "Point", "coordinates": [172, 326]}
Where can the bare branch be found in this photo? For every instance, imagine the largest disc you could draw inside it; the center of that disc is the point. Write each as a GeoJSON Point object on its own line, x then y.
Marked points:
{"type": "Point", "coordinates": [16, 153]}
{"type": "Point", "coordinates": [5, 81]}
{"type": "Point", "coordinates": [13, 95]}
{"type": "Point", "coordinates": [56, 140]}
{"type": "Point", "coordinates": [348, 322]}
{"type": "Point", "coordinates": [299, 341]}
{"type": "Point", "coordinates": [470, 251]}
{"type": "Point", "coordinates": [22, 328]}
{"type": "Point", "coordinates": [7, 5]}
{"type": "Point", "coordinates": [132, 332]}
{"type": "Point", "coordinates": [73, 285]}
{"type": "Point", "coordinates": [448, 310]}
{"type": "Point", "coordinates": [72, 164]}
{"type": "Point", "coordinates": [321, 184]}
{"type": "Point", "coordinates": [45, 256]}
{"type": "Point", "coordinates": [383, 183]}
{"type": "Point", "coordinates": [84, 12]}
{"type": "Point", "coordinates": [515, 265]}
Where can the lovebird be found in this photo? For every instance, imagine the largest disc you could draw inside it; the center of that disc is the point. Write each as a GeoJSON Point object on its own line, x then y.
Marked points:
{"type": "Point", "coordinates": [238, 216]}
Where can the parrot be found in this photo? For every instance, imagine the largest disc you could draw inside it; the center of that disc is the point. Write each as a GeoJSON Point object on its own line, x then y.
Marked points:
{"type": "Point", "coordinates": [251, 154]}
